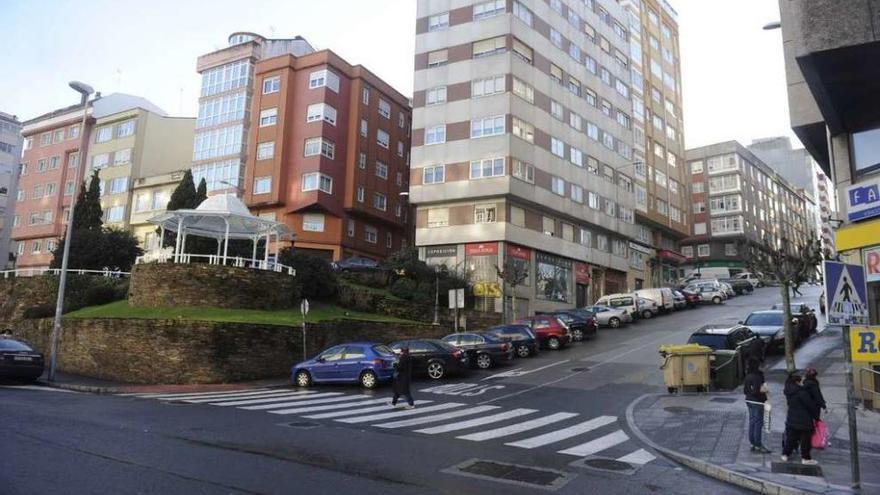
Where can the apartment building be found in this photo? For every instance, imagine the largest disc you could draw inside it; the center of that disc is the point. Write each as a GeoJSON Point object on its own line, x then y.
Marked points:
{"type": "Point", "coordinates": [223, 126]}
{"type": "Point", "coordinates": [522, 148]}
{"type": "Point", "coordinates": [10, 160]}
{"type": "Point", "coordinates": [150, 196]}
{"type": "Point", "coordinates": [738, 198]}
{"type": "Point", "coordinates": [661, 179]}
{"type": "Point", "coordinates": [328, 155]}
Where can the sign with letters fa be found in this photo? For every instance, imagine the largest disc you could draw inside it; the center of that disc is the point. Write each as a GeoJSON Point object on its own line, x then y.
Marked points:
{"type": "Point", "coordinates": [846, 293]}
{"type": "Point", "coordinates": [863, 201]}
{"type": "Point", "coordinates": [865, 344]}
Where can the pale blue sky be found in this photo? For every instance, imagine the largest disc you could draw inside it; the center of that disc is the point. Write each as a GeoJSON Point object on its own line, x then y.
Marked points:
{"type": "Point", "coordinates": [733, 77]}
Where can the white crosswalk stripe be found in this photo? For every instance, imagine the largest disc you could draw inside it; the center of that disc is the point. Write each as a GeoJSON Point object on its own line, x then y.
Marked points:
{"type": "Point", "coordinates": [357, 403]}
{"type": "Point", "coordinates": [436, 417]}
{"type": "Point", "coordinates": [558, 435]}
{"type": "Point", "coordinates": [263, 400]}
{"type": "Point", "coordinates": [328, 398]}
{"type": "Point", "coordinates": [639, 457]}
{"type": "Point", "coordinates": [517, 428]}
{"type": "Point", "coordinates": [216, 395]}
{"type": "Point", "coordinates": [194, 394]}
{"type": "Point", "coordinates": [337, 414]}
{"type": "Point", "coordinates": [399, 413]}
{"type": "Point", "coordinates": [461, 425]}
{"type": "Point", "coordinates": [597, 445]}
{"type": "Point", "coordinates": [211, 400]}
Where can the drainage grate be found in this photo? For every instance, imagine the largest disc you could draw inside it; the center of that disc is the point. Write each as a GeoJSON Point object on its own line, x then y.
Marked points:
{"type": "Point", "coordinates": [726, 400]}
{"type": "Point", "coordinates": [300, 424]}
{"type": "Point", "coordinates": [541, 478]}
{"type": "Point", "coordinates": [795, 468]}
{"type": "Point", "coordinates": [607, 464]}
{"type": "Point", "coordinates": [578, 370]}
{"type": "Point", "coordinates": [678, 409]}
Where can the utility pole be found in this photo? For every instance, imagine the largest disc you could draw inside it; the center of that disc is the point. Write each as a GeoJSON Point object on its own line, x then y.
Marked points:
{"type": "Point", "coordinates": [851, 413]}
{"type": "Point", "coordinates": [436, 296]}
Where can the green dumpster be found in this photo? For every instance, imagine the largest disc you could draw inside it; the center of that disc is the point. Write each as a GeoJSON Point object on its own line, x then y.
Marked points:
{"type": "Point", "coordinates": [724, 369]}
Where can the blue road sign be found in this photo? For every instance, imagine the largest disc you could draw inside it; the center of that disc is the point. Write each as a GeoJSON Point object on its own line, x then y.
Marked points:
{"type": "Point", "coordinates": [846, 294]}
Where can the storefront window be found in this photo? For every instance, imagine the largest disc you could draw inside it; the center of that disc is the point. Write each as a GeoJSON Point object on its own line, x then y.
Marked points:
{"type": "Point", "coordinates": [553, 278]}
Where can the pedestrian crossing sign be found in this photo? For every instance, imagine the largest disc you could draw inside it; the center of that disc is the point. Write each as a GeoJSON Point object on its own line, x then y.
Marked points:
{"type": "Point", "coordinates": [846, 294]}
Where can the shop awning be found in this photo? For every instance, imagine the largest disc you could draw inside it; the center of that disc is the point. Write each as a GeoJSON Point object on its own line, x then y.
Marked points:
{"type": "Point", "coordinates": [857, 235]}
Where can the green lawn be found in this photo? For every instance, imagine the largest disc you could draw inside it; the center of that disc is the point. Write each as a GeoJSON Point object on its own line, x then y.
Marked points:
{"type": "Point", "coordinates": [318, 312]}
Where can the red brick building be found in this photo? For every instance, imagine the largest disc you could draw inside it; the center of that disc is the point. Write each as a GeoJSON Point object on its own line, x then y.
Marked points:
{"type": "Point", "coordinates": [329, 155]}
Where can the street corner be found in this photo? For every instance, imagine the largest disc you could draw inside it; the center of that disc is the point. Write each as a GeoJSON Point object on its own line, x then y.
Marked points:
{"type": "Point", "coordinates": [199, 388]}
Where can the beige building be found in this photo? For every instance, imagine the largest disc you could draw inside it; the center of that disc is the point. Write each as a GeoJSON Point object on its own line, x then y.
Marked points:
{"type": "Point", "coordinates": [150, 196]}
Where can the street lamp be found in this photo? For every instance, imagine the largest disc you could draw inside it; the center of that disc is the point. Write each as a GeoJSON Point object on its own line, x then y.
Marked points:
{"type": "Point", "coordinates": [84, 90]}
{"type": "Point", "coordinates": [772, 25]}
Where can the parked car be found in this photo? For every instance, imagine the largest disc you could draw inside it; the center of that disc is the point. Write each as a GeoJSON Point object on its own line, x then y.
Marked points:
{"type": "Point", "coordinates": [712, 283]}
{"type": "Point", "coordinates": [648, 308]}
{"type": "Point", "coordinates": [680, 300]}
{"type": "Point", "coordinates": [433, 358]}
{"type": "Point", "coordinates": [580, 324]}
{"type": "Point", "coordinates": [367, 363]}
{"type": "Point", "coordinates": [549, 330]}
{"type": "Point", "coordinates": [355, 264]}
{"type": "Point", "coordinates": [483, 349]}
{"type": "Point", "coordinates": [727, 289]}
{"type": "Point", "coordinates": [750, 278]}
{"type": "Point", "coordinates": [709, 293]}
{"type": "Point", "coordinates": [739, 286]}
{"type": "Point", "coordinates": [663, 297]}
{"type": "Point", "coordinates": [607, 316]}
{"type": "Point", "coordinates": [724, 336]}
{"type": "Point", "coordinates": [769, 325]}
{"type": "Point", "coordinates": [522, 339]}
{"type": "Point", "coordinates": [806, 316]}
{"type": "Point", "coordinates": [693, 299]}
{"type": "Point", "coordinates": [19, 360]}
{"type": "Point", "coordinates": [627, 302]}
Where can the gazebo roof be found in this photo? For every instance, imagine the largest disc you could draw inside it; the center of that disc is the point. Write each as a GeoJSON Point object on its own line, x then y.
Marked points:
{"type": "Point", "coordinates": [210, 219]}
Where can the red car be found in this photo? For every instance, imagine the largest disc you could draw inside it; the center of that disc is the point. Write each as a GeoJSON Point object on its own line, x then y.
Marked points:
{"type": "Point", "coordinates": [693, 299]}
{"type": "Point", "coordinates": [549, 331]}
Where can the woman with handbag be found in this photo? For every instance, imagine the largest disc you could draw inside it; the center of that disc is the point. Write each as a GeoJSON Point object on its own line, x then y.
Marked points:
{"type": "Point", "coordinates": [755, 390]}
{"type": "Point", "coordinates": [799, 421]}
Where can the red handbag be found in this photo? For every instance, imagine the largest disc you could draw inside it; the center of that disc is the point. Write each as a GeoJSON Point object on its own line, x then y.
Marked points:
{"type": "Point", "coordinates": [819, 440]}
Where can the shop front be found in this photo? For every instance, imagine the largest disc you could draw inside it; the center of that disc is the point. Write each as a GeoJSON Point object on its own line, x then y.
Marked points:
{"type": "Point", "coordinates": [553, 279]}
{"type": "Point", "coordinates": [582, 281]}
{"type": "Point", "coordinates": [666, 267]}
{"type": "Point", "coordinates": [481, 260]}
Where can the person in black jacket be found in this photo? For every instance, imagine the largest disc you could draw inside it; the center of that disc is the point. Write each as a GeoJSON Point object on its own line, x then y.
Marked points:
{"type": "Point", "coordinates": [811, 383]}
{"type": "Point", "coordinates": [802, 411]}
{"type": "Point", "coordinates": [402, 375]}
{"type": "Point", "coordinates": [755, 390]}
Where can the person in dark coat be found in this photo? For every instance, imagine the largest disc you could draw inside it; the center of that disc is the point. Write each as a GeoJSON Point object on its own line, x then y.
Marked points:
{"type": "Point", "coordinates": [755, 389]}
{"type": "Point", "coordinates": [402, 376]}
{"type": "Point", "coordinates": [811, 383]}
{"type": "Point", "coordinates": [802, 411]}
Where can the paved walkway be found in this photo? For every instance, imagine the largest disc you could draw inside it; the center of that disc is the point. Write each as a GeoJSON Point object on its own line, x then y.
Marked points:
{"type": "Point", "coordinates": [708, 431]}
{"type": "Point", "coordinates": [97, 386]}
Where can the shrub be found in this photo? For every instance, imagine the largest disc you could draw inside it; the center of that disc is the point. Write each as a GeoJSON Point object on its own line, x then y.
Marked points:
{"type": "Point", "coordinates": [99, 294]}
{"type": "Point", "coordinates": [404, 288]}
{"type": "Point", "coordinates": [424, 293]}
{"type": "Point", "coordinates": [314, 276]}
{"type": "Point", "coordinates": [41, 311]}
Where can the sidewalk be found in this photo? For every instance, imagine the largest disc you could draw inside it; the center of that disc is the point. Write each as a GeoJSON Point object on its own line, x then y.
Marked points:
{"type": "Point", "coordinates": [707, 432]}
{"type": "Point", "coordinates": [97, 386]}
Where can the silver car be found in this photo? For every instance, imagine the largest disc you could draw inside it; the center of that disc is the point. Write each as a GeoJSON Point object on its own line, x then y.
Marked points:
{"type": "Point", "coordinates": [609, 317]}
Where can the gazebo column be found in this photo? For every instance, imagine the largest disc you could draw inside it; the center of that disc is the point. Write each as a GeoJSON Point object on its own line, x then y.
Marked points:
{"type": "Point", "coordinates": [266, 252]}
{"type": "Point", "coordinates": [226, 241]}
{"type": "Point", "coordinates": [183, 242]}
{"type": "Point", "coordinates": [219, 244]}
{"type": "Point", "coordinates": [161, 237]}
{"type": "Point", "coordinates": [177, 240]}
{"type": "Point", "coordinates": [254, 255]}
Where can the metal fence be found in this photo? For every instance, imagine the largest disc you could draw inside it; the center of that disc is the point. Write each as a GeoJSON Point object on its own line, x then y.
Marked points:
{"type": "Point", "coordinates": [34, 272]}
{"type": "Point", "coordinates": [212, 259]}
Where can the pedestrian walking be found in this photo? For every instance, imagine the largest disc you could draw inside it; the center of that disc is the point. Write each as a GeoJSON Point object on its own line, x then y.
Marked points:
{"type": "Point", "coordinates": [811, 383]}
{"type": "Point", "coordinates": [7, 334]}
{"type": "Point", "coordinates": [755, 389]}
{"type": "Point", "coordinates": [802, 411]}
{"type": "Point", "coordinates": [401, 377]}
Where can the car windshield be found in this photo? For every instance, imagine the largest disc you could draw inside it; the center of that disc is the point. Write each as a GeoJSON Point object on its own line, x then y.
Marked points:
{"type": "Point", "coordinates": [383, 350]}
{"type": "Point", "coordinates": [564, 317]}
{"type": "Point", "coordinates": [445, 345]}
{"type": "Point", "coordinates": [764, 319]}
{"type": "Point", "coordinates": [13, 345]}
{"type": "Point", "coordinates": [714, 341]}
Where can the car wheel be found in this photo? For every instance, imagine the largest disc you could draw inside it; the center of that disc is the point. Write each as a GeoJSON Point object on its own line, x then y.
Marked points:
{"type": "Point", "coordinates": [523, 351]}
{"type": "Point", "coordinates": [553, 343]}
{"type": "Point", "coordinates": [302, 378]}
{"type": "Point", "coordinates": [484, 361]}
{"type": "Point", "coordinates": [647, 314]}
{"type": "Point", "coordinates": [436, 370]}
{"type": "Point", "coordinates": [614, 322]}
{"type": "Point", "coordinates": [368, 379]}
{"type": "Point", "coordinates": [716, 300]}
{"type": "Point", "coordinates": [577, 335]}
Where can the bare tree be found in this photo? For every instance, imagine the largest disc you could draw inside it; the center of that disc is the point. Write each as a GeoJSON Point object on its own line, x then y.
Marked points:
{"type": "Point", "coordinates": [788, 265]}
{"type": "Point", "coordinates": [513, 274]}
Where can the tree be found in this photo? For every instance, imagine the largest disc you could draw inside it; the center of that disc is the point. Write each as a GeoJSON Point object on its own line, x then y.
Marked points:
{"type": "Point", "coordinates": [87, 213]}
{"type": "Point", "coordinates": [513, 274]}
{"type": "Point", "coordinates": [186, 197]}
{"type": "Point", "coordinates": [788, 265]}
{"type": "Point", "coordinates": [314, 275]}
{"type": "Point", "coordinates": [201, 192]}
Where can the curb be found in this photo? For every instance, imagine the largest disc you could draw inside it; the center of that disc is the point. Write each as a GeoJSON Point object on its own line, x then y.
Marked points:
{"type": "Point", "coordinates": [712, 470]}
{"type": "Point", "coordinates": [150, 389]}
{"type": "Point", "coordinates": [89, 389]}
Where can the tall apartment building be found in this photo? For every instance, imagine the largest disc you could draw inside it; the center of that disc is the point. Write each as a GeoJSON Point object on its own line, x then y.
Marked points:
{"type": "Point", "coordinates": [328, 155]}
{"type": "Point", "coordinates": [220, 143]}
{"type": "Point", "coordinates": [662, 180]}
{"type": "Point", "coordinates": [736, 197]}
{"type": "Point", "coordinates": [10, 160]}
{"type": "Point", "coordinates": [522, 147]}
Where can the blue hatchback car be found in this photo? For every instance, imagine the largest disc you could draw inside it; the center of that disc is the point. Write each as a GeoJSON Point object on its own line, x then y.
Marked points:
{"type": "Point", "coordinates": [367, 363]}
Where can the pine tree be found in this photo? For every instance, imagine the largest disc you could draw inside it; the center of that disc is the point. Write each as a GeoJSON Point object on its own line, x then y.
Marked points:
{"type": "Point", "coordinates": [184, 195]}
{"type": "Point", "coordinates": [201, 192]}
{"type": "Point", "coordinates": [87, 213]}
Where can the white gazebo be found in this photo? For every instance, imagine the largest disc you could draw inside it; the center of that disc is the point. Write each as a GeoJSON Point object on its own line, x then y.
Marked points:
{"type": "Point", "coordinates": [221, 217]}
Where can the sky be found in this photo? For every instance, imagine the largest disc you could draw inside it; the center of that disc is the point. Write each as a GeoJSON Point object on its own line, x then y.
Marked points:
{"type": "Point", "coordinates": [732, 71]}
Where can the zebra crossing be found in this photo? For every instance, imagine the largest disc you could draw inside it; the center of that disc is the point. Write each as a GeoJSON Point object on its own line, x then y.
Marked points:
{"type": "Point", "coordinates": [567, 433]}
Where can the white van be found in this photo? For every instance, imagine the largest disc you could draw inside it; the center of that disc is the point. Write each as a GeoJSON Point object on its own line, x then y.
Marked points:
{"type": "Point", "coordinates": [710, 272]}
{"type": "Point", "coordinates": [750, 278]}
{"type": "Point", "coordinates": [626, 302]}
{"type": "Point", "coordinates": [663, 296]}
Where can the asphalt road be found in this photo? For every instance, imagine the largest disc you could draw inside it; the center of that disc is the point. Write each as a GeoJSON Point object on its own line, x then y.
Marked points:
{"type": "Point", "coordinates": [548, 413]}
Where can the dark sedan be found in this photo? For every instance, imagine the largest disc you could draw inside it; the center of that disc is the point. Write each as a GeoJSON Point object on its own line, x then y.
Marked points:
{"type": "Point", "coordinates": [768, 324]}
{"type": "Point", "coordinates": [18, 360]}
{"type": "Point", "coordinates": [806, 316]}
{"type": "Point", "coordinates": [356, 264]}
{"type": "Point", "coordinates": [522, 339]}
{"type": "Point", "coordinates": [693, 299]}
{"type": "Point", "coordinates": [483, 350]}
{"type": "Point", "coordinates": [433, 358]}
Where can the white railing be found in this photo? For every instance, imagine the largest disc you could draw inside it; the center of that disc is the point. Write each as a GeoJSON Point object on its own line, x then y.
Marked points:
{"type": "Point", "coordinates": [213, 259]}
{"type": "Point", "coordinates": [34, 272]}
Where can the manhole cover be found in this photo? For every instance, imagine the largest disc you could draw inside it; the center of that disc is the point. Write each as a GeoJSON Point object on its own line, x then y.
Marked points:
{"type": "Point", "coordinates": [727, 400]}
{"type": "Point", "coordinates": [578, 370]}
{"type": "Point", "coordinates": [678, 409]}
{"type": "Point", "coordinates": [546, 479]}
{"type": "Point", "coordinates": [301, 424]}
{"type": "Point", "coordinates": [607, 464]}
{"type": "Point", "coordinates": [795, 468]}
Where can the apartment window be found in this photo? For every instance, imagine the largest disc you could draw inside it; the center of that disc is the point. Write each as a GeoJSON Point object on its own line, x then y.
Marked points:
{"type": "Point", "coordinates": [384, 109]}
{"type": "Point", "coordinates": [585, 238]}
{"type": "Point", "coordinates": [593, 200]}
{"type": "Point", "coordinates": [360, 194]}
{"type": "Point", "coordinates": [103, 134]}
{"type": "Point", "coordinates": [687, 251]}
{"type": "Point", "coordinates": [381, 170]}
{"type": "Point", "coordinates": [697, 187]}
{"type": "Point", "coordinates": [438, 58]}
{"type": "Point", "coordinates": [618, 247]}
{"type": "Point", "coordinates": [659, 178]}
{"type": "Point", "coordinates": [68, 188]}
{"type": "Point", "coordinates": [322, 78]}
{"type": "Point", "coordinates": [350, 228]}
{"type": "Point", "coordinates": [724, 183]}
{"type": "Point", "coordinates": [593, 131]}
{"type": "Point", "coordinates": [522, 13]}
{"type": "Point", "coordinates": [436, 96]}
{"type": "Point", "coordinates": [364, 127]}
{"type": "Point", "coordinates": [488, 9]}
{"type": "Point", "coordinates": [577, 193]}
{"type": "Point", "coordinates": [484, 214]}
{"type": "Point", "coordinates": [20, 195]}
{"type": "Point", "coordinates": [730, 249]}
{"type": "Point", "coordinates": [438, 217]}
{"type": "Point", "coordinates": [610, 208]}
{"type": "Point", "coordinates": [487, 86]}
{"type": "Point", "coordinates": [523, 130]}
{"type": "Point", "coordinates": [438, 22]}
{"type": "Point", "coordinates": [318, 182]}
{"type": "Point", "coordinates": [36, 246]}
{"type": "Point", "coordinates": [217, 142]}
{"type": "Point", "coordinates": [556, 73]}
{"type": "Point", "coordinates": [703, 250]}
{"type": "Point", "coordinates": [674, 214]}
{"type": "Point", "coordinates": [265, 150]}
{"type": "Point", "coordinates": [116, 213]}
{"type": "Point", "coordinates": [98, 161]}
{"type": "Point", "coordinates": [271, 85]}
{"type": "Point", "coordinates": [226, 77]}
{"type": "Point", "coordinates": [608, 140]}
{"type": "Point", "coordinates": [517, 216]}
{"type": "Point", "coordinates": [50, 189]}
{"type": "Point", "coordinates": [607, 109]}
{"type": "Point", "coordinates": [522, 51]}
{"type": "Point", "coordinates": [671, 159]}
{"type": "Point", "coordinates": [263, 185]}
{"type": "Point", "coordinates": [379, 201]}
{"type": "Point", "coordinates": [574, 52]}
{"type": "Point", "coordinates": [487, 126]}
{"type": "Point", "coordinates": [122, 157]}
{"type": "Point", "coordinates": [727, 225]}
{"type": "Point", "coordinates": [602, 243]}
{"type": "Point", "coordinates": [435, 134]}
{"type": "Point", "coordinates": [365, 96]}
{"type": "Point", "coordinates": [382, 138]}
{"type": "Point", "coordinates": [401, 121]}
{"type": "Point", "coordinates": [268, 117]}
{"type": "Point", "coordinates": [556, 110]}
{"type": "Point", "coordinates": [576, 156]}
{"type": "Point", "coordinates": [318, 112]}
{"type": "Point", "coordinates": [576, 121]}
{"type": "Point", "coordinates": [557, 147]}
{"type": "Point", "coordinates": [662, 207]}
{"type": "Point", "coordinates": [400, 148]}
{"type": "Point", "coordinates": [125, 129]}
{"type": "Point", "coordinates": [523, 90]}
{"type": "Point", "coordinates": [548, 225]}
{"type": "Point", "coordinates": [142, 202]}
{"type": "Point", "coordinates": [523, 171]}
{"type": "Point", "coordinates": [319, 145]}
{"type": "Point", "coordinates": [491, 167]}
{"type": "Point", "coordinates": [371, 234]}
{"type": "Point", "coordinates": [58, 136]}
{"type": "Point", "coordinates": [491, 46]}
{"type": "Point", "coordinates": [591, 65]}
{"type": "Point", "coordinates": [434, 175]}
{"type": "Point", "coordinates": [655, 95]}
{"type": "Point", "coordinates": [16, 221]}
{"type": "Point", "coordinates": [73, 132]}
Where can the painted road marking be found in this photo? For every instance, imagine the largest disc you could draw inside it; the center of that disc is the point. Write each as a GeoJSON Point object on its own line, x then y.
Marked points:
{"type": "Point", "coordinates": [337, 414]}
{"type": "Point", "coordinates": [639, 457]}
{"type": "Point", "coordinates": [495, 418]}
{"type": "Point", "coordinates": [218, 395]}
{"type": "Point", "coordinates": [558, 435]}
{"type": "Point", "coordinates": [518, 428]}
{"type": "Point", "coordinates": [462, 389]}
{"type": "Point", "coordinates": [436, 417]}
{"type": "Point", "coordinates": [263, 400]}
{"type": "Point", "coordinates": [298, 401]}
{"type": "Point", "coordinates": [194, 394]}
{"type": "Point", "coordinates": [400, 412]}
{"type": "Point", "coordinates": [521, 371]}
{"type": "Point", "coordinates": [597, 445]}
{"type": "Point", "coordinates": [39, 388]}
{"type": "Point", "coordinates": [357, 403]}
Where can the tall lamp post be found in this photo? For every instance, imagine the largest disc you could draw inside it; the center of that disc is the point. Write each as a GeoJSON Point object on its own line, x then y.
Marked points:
{"type": "Point", "coordinates": [84, 90]}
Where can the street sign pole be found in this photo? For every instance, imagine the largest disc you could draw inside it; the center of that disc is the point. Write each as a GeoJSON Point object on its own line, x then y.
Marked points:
{"type": "Point", "coordinates": [851, 412]}
{"type": "Point", "coordinates": [304, 310]}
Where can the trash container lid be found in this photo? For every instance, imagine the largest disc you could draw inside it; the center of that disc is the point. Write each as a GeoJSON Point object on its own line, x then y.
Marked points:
{"type": "Point", "coordinates": [684, 349]}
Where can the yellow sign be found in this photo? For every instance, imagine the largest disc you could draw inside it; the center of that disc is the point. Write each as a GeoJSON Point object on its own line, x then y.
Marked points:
{"type": "Point", "coordinates": [865, 344]}
{"type": "Point", "coordinates": [487, 289]}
